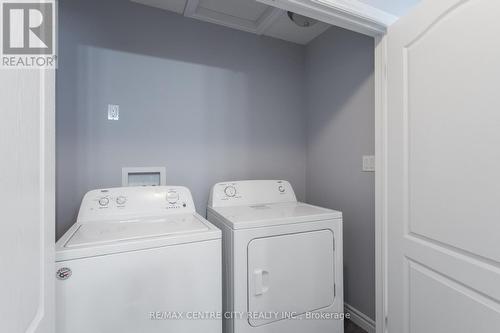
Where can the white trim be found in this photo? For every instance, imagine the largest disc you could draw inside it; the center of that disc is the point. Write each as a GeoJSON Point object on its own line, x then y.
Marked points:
{"type": "Point", "coordinates": [381, 183]}
{"type": "Point", "coordinates": [29, 97]}
{"type": "Point", "coordinates": [194, 10]}
{"type": "Point", "coordinates": [360, 9]}
{"type": "Point", "coordinates": [359, 318]}
{"type": "Point", "coordinates": [45, 316]}
{"type": "Point", "coordinates": [352, 15]}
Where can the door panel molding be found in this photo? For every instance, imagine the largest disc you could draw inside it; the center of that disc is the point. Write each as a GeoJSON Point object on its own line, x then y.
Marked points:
{"type": "Point", "coordinates": [479, 260]}
{"type": "Point", "coordinates": [460, 267]}
{"type": "Point", "coordinates": [442, 257]}
{"type": "Point", "coordinates": [435, 23]}
{"type": "Point", "coordinates": [470, 303]}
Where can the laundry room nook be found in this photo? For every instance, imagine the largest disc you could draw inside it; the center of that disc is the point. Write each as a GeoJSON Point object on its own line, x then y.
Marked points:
{"type": "Point", "coordinates": [249, 166]}
{"type": "Point", "coordinates": [219, 92]}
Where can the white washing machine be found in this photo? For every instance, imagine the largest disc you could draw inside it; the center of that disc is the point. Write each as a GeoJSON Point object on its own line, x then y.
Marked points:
{"type": "Point", "coordinates": [139, 259]}
{"type": "Point", "coordinates": [282, 259]}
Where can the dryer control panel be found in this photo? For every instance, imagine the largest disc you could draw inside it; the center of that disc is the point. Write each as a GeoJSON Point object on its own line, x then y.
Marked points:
{"type": "Point", "coordinates": [251, 192]}
{"type": "Point", "coordinates": [130, 202]}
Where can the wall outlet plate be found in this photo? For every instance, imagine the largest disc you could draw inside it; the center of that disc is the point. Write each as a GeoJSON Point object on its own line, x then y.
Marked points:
{"type": "Point", "coordinates": [369, 163]}
{"type": "Point", "coordinates": [113, 112]}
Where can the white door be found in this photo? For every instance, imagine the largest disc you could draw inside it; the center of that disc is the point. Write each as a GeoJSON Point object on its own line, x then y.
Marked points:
{"type": "Point", "coordinates": [27, 200]}
{"type": "Point", "coordinates": [444, 168]}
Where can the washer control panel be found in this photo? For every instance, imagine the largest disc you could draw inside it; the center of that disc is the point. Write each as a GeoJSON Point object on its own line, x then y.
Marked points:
{"type": "Point", "coordinates": [127, 202]}
{"type": "Point", "coordinates": [251, 192]}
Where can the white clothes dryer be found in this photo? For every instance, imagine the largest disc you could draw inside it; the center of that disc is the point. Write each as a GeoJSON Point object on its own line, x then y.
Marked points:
{"type": "Point", "coordinates": [282, 259]}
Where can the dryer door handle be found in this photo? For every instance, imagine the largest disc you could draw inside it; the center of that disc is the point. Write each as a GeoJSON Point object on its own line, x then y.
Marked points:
{"type": "Point", "coordinates": [261, 280]}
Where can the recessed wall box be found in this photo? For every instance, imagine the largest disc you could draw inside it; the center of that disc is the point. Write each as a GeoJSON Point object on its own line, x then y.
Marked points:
{"type": "Point", "coordinates": [144, 176]}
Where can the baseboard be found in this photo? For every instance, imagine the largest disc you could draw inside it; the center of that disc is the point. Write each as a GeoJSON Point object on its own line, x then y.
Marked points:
{"type": "Point", "coordinates": [360, 319]}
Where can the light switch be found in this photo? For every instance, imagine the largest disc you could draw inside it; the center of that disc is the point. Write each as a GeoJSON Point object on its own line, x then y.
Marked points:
{"type": "Point", "coordinates": [369, 163]}
{"type": "Point", "coordinates": [113, 112]}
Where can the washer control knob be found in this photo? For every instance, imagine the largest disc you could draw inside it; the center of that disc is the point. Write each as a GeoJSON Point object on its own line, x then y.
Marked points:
{"type": "Point", "coordinates": [281, 188]}
{"type": "Point", "coordinates": [230, 191]}
{"type": "Point", "coordinates": [121, 200]}
{"type": "Point", "coordinates": [103, 202]}
{"type": "Point", "coordinates": [172, 197]}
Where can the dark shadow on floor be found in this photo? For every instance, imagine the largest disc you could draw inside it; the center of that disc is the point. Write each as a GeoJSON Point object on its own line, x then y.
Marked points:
{"type": "Point", "coordinates": [350, 327]}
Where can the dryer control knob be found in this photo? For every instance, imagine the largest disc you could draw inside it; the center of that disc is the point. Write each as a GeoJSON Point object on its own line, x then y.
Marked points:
{"type": "Point", "coordinates": [230, 191]}
{"type": "Point", "coordinates": [172, 197]}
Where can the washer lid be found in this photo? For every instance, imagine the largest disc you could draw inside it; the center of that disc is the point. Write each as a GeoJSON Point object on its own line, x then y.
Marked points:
{"type": "Point", "coordinates": [118, 231]}
{"type": "Point", "coordinates": [114, 236]}
{"type": "Point", "coordinates": [254, 216]}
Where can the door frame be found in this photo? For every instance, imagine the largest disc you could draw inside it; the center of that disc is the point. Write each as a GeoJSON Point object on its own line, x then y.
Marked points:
{"type": "Point", "coordinates": [23, 87]}
{"type": "Point", "coordinates": [358, 17]}
{"type": "Point", "coordinates": [381, 175]}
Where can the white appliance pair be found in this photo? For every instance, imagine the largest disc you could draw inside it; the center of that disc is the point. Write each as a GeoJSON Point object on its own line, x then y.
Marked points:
{"type": "Point", "coordinates": [140, 259]}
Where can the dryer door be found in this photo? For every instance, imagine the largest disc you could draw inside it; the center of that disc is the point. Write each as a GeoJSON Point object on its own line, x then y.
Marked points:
{"type": "Point", "coordinates": [290, 274]}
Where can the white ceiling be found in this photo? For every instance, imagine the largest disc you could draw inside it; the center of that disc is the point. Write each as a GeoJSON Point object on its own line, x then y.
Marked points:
{"type": "Point", "coordinates": [246, 15]}
{"type": "Point", "coordinates": [172, 5]}
{"type": "Point", "coordinates": [394, 7]}
{"type": "Point", "coordinates": [261, 19]}
{"type": "Point", "coordinates": [249, 10]}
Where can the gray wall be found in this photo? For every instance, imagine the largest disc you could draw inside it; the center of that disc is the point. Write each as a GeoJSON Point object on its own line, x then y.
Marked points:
{"type": "Point", "coordinates": [211, 104]}
{"type": "Point", "coordinates": [207, 102]}
{"type": "Point", "coordinates": [340, 129]}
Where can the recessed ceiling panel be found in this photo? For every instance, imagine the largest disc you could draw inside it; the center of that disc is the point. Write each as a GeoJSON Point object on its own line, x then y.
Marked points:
{"type": "Point", "coordinates": [246, 15]}
{"type": "Point", "coordinates": [172, 5]}
{"type": "Point", "coordinates": [244, 9]}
